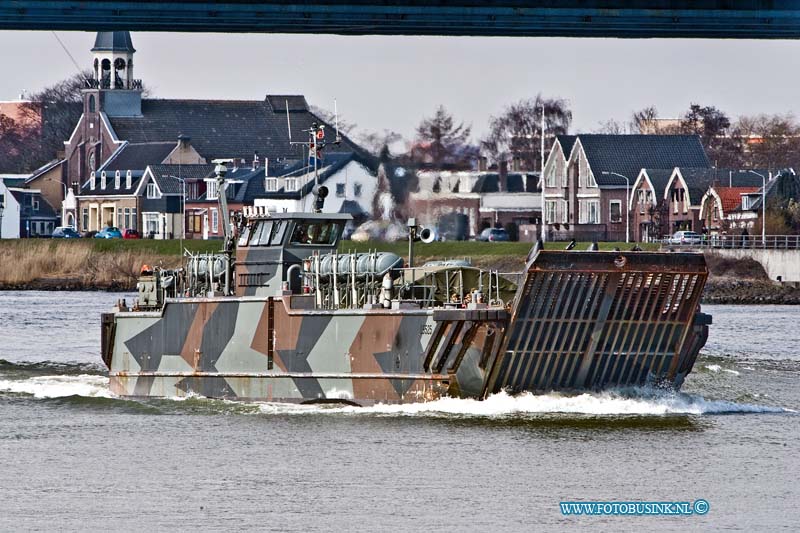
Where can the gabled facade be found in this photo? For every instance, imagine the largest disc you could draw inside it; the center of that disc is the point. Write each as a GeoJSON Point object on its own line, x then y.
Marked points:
{"type": "Point", "coordinates": [587, 198]}
{"type": "Point", "coordinates": [668, 200]}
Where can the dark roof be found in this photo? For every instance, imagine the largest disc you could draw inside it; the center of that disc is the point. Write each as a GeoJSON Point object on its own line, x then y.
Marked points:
{"type": "Point", "coordinates": [227, 128]}
{"type": "Point", "coordinates": [279, 103]}
{"type": "Point", "coordinates": [26, 209]}
{"type": "Point", "coordinates": [566, 142]}
{"type": "Point", "coordinates": [659, 177]}
{"type": "Point", "coordinates": [86, 189]}
{"type": "Point", "coordinates": [168, 177]}
{"type": "Point", "coordinates": [352, 207]}
{"type": "Point", "coordinates": [113, 41]}
{"type": "Point", "coordinates": [490, 181]}
{"type": "Point", "coordinates": [44, 168]}
{"type": "Point", "coordinates": [138, 156]}
{"type": "Point", "coordinates": [628, 154]}
{"type": "Point", "coordinates": [698, 180]}
{"type": "Point", "coordinates": [253, 185]}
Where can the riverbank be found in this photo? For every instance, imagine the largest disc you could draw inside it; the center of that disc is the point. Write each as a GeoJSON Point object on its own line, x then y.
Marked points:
{"type": "Point", "coordinates": [114, 265]}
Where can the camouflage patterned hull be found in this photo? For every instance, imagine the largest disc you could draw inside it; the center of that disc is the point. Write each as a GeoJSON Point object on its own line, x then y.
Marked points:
{"type": "Point", "coordinates": [579, 320]}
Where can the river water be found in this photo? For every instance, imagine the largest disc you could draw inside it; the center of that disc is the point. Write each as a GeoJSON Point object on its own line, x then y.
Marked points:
{"type": "Point", "coordinates": [73, 457]}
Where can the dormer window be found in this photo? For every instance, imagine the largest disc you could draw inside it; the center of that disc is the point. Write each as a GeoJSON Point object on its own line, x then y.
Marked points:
{"type": "Point", "coordinates": [291, 184]}
{"type": "Point", "coordinates": [128, 179]}
{"type": "Point", "coordinates": [93, 181]}
{"type": "Point", "coordinates": [152, 190]}
{"type": "Point", "coordinates": [103, 180]}
{"type": "Point", "coordinates": [116, 179]}
{"type": "Point", "coordinates": [271, 184]}
{"type": "Point", "coordinates": [211, 190]}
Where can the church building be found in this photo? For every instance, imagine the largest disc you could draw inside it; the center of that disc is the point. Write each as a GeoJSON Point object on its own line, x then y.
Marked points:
{"type": "Point", "coordinates": [121, 133]}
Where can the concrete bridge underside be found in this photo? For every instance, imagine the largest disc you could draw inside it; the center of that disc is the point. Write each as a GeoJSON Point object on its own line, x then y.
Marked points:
{"type": "Point", "coordinates": [737, 19]}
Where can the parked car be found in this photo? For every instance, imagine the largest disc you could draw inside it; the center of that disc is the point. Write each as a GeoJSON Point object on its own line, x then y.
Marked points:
{"type": "Point", "coordinates": [131, 234]}
{"type": "Point", "coordinates": [108, 233]}
{"type": "Point", "coordinates": [493, 235]}
{"type": "Point", "coordinates": [65, 232]}
{"type": "Point", "coordinates": [685, 237]}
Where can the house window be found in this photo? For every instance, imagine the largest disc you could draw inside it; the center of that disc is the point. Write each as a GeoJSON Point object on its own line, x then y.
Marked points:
{"type": "Point", "coordinates": [615, 211]}
{"type": "Point", "coordinates": [745, 202]}
{"type": "Point", "coordinates": [93, 181]}
{"type": "Point", "coordinates": [589, 212]}
{"type": "Point", "coordinates": [116, 179]}
{"type": "Point", "coordinates": [340, 190]}
{"type": "Point", "coordinates": [551, 176]}
{"type": "Point", "coordinates": [291, 184]}
{"type": "Point", "coordinates": [271, 185]}
{"type": "Point", "coordinates": [564, 212]}
{"type": "Point", "coordinates": [127, 220]}
{"type": "Point", "coordinates": [152, 190]}
{"type": "Point", "coordinates": [120, 218]}
{"type": "Point", "coordinates": [211, 190]}
{"type": "Point", "coordinates": [103, 180]}
{"type": "Point", "coordinates": [134, 220]}
{"type": "Point", "coordinates": [85, 217]}
{"type": "Point", "coordinates": [564, 182]}
{"type": "Point", "coordinates": [128, 179]}
{"type": "Point", "coordinates": [35, 204]}
{"type": "Point", "coordinates": [550, 212]}
{"type": "Point", "coordinates": [91, 162]}
{"type": "Point", "coordinates": [214, 221]}
{"type": "Point", "coordinates": [357, 190]}
{"type": "Point", "coordinates": [195, 221]}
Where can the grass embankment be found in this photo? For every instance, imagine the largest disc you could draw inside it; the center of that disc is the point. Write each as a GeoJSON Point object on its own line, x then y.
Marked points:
{"type": "Point", "coordinates": [86, 264]}
{"type": "Point", "coordinates": [115, 264]}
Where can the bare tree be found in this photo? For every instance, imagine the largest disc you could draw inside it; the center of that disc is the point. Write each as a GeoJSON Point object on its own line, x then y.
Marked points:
{"type": "Point", "coordinates": [769, 141]}
{"type": "Point", "coordinates": [713, 127]}
{"type": "Point", "coordinates": [611, 126]}
{"type": "Point", "coordinates": [645, 120]}
{"type": "Point", "coordinates": [517, 133]}
{"type": "Point", "coordinates": [440, 140]}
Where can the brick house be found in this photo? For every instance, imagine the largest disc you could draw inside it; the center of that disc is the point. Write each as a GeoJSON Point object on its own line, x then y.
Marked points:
{"type": "Point", "coordinates": [664, 201]}
{"type": "Point", "coordinates": [586, 191]}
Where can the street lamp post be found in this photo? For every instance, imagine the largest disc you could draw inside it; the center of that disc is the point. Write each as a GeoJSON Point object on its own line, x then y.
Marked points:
{"type": "Point", "coordinates": [183, 212]}
{"type": "Point", "coordinates": [627, 203]}
{"type": "Point", "coordinates": [763, 207]}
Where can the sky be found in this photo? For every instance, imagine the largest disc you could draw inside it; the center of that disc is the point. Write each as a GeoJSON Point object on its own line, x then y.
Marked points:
{"type": "Point", "coordinates": [393, 82]}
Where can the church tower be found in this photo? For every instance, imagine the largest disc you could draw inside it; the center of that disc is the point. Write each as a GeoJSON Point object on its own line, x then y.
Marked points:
{"type": "Point", "coordinates": [113, 89]}
{"type": "Point", "coordinates": [113, 61]}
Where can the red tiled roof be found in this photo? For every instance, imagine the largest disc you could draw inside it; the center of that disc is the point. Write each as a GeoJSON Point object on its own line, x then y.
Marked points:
{"type": "Point", "coordinates": [731, 197]}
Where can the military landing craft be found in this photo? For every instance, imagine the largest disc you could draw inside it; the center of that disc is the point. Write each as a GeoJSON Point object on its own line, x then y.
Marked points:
{"type": "Point", "coordinates": [280, 315]}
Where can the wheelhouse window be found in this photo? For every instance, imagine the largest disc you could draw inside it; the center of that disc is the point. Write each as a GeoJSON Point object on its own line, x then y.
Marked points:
{"type": "Point", "coordinates": [266, 233]}
{"type": "Point", "coordinates": [316, 233]}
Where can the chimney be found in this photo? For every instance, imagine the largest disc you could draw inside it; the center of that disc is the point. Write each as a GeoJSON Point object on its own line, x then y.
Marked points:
{"type": "Point", "coordinates": [482, 163]}
{"type": "Point", "coordinates": [502, 177]}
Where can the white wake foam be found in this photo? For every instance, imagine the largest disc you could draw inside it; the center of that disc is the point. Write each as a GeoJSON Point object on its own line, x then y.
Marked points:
{"type": "Point", "coordinates": [502, 405]}
{"type": "Point", "coordinates": [59, 386]}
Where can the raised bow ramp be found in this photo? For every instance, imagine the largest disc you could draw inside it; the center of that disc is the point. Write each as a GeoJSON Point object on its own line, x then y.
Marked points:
{"type": "Point", "coordinates": [594, 320]}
